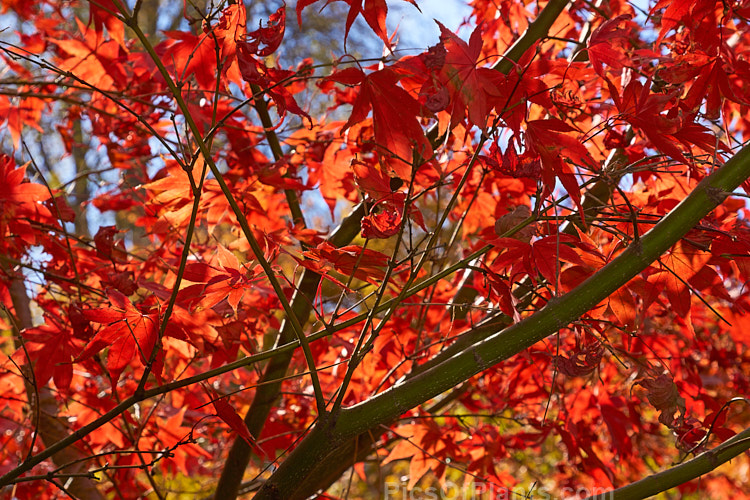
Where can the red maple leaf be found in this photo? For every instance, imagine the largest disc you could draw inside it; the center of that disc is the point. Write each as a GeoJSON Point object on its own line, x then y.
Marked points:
{"type": "Point", "coordinates": [265, 40]}
{"type": "Point", "coordinates": [102, 14]}
{"type": "Point", "coordinates": [229, 282]}
{"type": "Point", "coordinates": [363, 264]}
{"type": "Point", "coordinates": [17, 194]}
{"type": "Point", "coordinates": [16, 115]}
{"type": "Point", "coordinates": [550, 140]}
{"type": "Point", "coordinates": [386, 216]}
{"type": "Point", "coordinates": [128, 333]}
{"type": "Point", "coordinates": [474, 91]}
{"type": "Point", "coordinates": [608, 43]}
{"type": "Point", "coordinates": [19, 203]}
{"type": "Point", "coordinates": [374, 12]}
{"type": "Point", "coordinates": [665, 130]}
{"type": "Point", "coordinates": [97, 63]}
{"type": "Point", "coordinates": [394, 116]}
{"type": "Point", "coordinates": [675, 11]}
{"type": "Point", "coordinates": [187, 54]}
{"type": "Point", "coordinates": [715, 82]}
{"type": "Point", "coordinates": [231, 30]}
{"type": "Point", "coordinates": [51, 349]}
{"type": "Point", "coordinates": [230, 416]}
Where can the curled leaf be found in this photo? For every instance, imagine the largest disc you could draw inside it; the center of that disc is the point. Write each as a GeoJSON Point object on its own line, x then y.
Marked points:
{"type": "Point", "coordinates": [663, 395]}
{"type": "Point", "coordinates": [514, 218]}
{"type": "Point", "coordinates": [580, 363]}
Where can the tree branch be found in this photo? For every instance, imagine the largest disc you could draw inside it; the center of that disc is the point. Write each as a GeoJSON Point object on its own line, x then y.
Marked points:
{"type": "Point", "coordinates": [680, 474]}
{"type": "Point", "coordinates": [269, 384]}
{"type": "Point", "coordinates": [290, 480]}
{"type": "Point", "coordinates": [50, 427]}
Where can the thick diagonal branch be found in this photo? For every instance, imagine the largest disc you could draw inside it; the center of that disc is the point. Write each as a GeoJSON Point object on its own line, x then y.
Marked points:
{"type": "Point", "coordinates": [680, 474]}
{"type": "Point", "coordinates": [293, 477]}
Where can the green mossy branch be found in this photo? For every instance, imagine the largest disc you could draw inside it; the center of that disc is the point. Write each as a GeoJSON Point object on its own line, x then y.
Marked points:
{"type": "Point", "coordinates": [681, 474]}
{"type": "Point", "coordinates": [290, 480]}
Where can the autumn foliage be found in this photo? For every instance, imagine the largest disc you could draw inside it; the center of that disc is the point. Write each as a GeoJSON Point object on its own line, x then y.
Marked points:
{"type": "Point", "coordinates": [518, 257]}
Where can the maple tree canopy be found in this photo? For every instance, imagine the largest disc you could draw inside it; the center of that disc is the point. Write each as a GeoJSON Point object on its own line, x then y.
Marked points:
{"type": "Point", "coordinates": [515, 260]}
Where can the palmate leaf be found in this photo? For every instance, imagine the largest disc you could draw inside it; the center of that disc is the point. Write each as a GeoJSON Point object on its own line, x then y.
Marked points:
{"type": "Point", "coordinates": [665, 129]}
{"type": "Point", "coordinates": [373, 11]}
{"type": "Point", "coordinates": [550, 140]}
{"type": "Point", "coordinates": [474, 89]}
{"type": "Point", "coordinates": [398, 134]}
{"type": "Point", "coordinates": [127, 332]}
{"type": "Point", "coordinates": [608, 44]}
{"type": "Point", "coordinates": [362, 263]}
